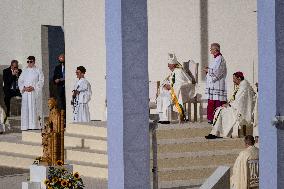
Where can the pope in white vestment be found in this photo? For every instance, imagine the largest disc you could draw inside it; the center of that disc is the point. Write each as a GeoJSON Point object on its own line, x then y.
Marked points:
{"type": "Point", "coordinates": [83, 93]}
{"type": "Point", "coordinates": [30, 84]}
{"type": "Point", "coordinates": [240, 170]}
{"type": "Point", "coordinates": [229, 117]}
{"type": "Point", "coordinates": [176, 89]}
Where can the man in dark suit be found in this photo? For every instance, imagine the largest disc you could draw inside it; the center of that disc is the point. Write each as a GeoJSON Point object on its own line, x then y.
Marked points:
{"type": "Point", "coordinates": [59, 80]}
{"type": "Point", "coordinates": [11, 88]}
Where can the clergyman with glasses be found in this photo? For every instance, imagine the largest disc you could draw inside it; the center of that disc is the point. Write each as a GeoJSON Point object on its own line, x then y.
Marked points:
{"type": "Point", "coordinates": [30, 84]}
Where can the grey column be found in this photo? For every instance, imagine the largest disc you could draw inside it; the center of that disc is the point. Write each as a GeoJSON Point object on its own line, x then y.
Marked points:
{"type": "Point", "coordinates": [127, 94]}
{"type": "Point", "coordinates": [279, 35]}
{"type": "Point", "coordinates": [271, 91]}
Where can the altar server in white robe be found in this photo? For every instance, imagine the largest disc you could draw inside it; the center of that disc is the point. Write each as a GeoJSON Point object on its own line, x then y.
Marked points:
{"type": "Point", "coordinates": [176, 89]}
{"type": "Point", "coordinates": [81, 96]}
{"type": "Point", "coordinates": [229, 117]}
{"type": "Point", "coordinates": [240, 170]}
{"type": "Point", "coordinates": [30, 84]}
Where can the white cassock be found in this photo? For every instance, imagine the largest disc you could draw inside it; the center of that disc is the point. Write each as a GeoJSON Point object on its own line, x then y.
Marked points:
{"type": "Point", "coordinates": [255, 118]}
{"type": "Point", "coordinates": [240, 170]}
{"type": "Point", "coordinates": [227, 120]}
{"type": "Point", "coordinates": [81, 109]}
{"type": "Point", "coordinates": [184, 90]}
{"type": "Point", "coordinates": [30, 110]}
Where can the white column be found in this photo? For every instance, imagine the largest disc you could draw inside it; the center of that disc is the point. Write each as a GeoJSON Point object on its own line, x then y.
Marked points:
{"type": "Point", "coordinates": [271, 92]}
{"type": "Point", "coordinates": [127, 94]}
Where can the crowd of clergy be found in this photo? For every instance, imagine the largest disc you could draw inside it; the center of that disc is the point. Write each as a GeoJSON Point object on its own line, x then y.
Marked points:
{"type": "Point", "coordinates": [28, 85]}
{"type": "Point", "coordinates": [227, 116]}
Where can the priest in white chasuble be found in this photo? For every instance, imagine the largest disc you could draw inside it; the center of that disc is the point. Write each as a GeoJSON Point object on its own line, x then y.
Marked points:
{"type": "Point", "coordinates": [176, 89]}
{"type": "Point", "coordinates": [30, 84]}
{"type": "Point", "coordinates": [237, 112]}
{"type": "Point", "coordinates": [81, 96]}
{"type": "Point", "coordinates": [239, 178]}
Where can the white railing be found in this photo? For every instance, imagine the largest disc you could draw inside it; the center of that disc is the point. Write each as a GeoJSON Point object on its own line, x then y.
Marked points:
{"type": "Point", "coordinates": [220, 179]}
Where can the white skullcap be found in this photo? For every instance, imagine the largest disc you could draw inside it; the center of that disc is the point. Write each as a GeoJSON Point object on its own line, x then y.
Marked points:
{"type": "Point", "coordinates": [172, 59]}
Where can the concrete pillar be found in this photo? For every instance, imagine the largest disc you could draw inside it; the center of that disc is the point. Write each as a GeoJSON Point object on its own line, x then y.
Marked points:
{"type": "Point", "coordinates": [271, 92]}
{"type": "Point", "coordinates": [127, 94]}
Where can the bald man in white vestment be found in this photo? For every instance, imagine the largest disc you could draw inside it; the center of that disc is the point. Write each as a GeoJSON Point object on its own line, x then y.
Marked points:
{"type": "Point", "coordinates": [229, 117]}
{"type": "Point", "coordinates": [176, 89]}
{"type": "Point", "coordinates": [81, 96]}
{"type": "Point", "coordinates": [240, 170]}
{"type": "Point", "coordinates": [30, 84]}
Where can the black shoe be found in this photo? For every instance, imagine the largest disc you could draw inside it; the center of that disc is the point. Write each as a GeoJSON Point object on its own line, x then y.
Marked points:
{"type": "Point", "coordinates": [210, 136]}
{"type": "Point", "coordinates": [210, 122]}
{"type": "Point", "coordinates": [164, 122]}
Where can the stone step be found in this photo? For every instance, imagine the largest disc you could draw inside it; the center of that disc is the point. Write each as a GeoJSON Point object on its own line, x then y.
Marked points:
{"type": "Point", "coordinates": [72, 154]}
{"type": "Point", "coordinates": [182, 184]}
{"type": "Point", "coordinates": [200, 144]}
{"type": "Point", "coordinates": [70, 140]}
{"type": "Point", "coordinates": [196, 161]}
{"type": "Point", "coordinates": [86, 156]}
{"type": "Point", "coordinates": [185, 173]}
{"type": "Point", "coordinates": [94, 129]}
{"type": "Point", "coordinates": [24, 161]}
{"type": "Point", "coordinates": [186, 130]}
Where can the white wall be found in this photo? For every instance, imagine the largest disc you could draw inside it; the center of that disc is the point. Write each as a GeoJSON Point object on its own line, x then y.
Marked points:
{"type": "Point", "coordinates": [236, 30]}
{"type": "Point", "coordinates": [20, 23]}
{"type": "Point", "coordinates": [175, 25]}
{"type": "Point", "coordinates": [84, 25]}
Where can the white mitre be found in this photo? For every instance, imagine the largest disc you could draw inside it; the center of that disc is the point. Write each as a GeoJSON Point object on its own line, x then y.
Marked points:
{"type": "Point", "coordinates": [172, 59]}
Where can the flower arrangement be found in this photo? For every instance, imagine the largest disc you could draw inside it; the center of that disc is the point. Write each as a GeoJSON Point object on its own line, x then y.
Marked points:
{"type": "Point", "coordinates": [60, 178]}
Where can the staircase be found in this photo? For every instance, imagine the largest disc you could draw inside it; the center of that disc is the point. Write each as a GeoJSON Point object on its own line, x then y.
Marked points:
{"type": "Point", "coordinates": [185, 158]}
{"type": "Point", "coordinates": [85, 146]}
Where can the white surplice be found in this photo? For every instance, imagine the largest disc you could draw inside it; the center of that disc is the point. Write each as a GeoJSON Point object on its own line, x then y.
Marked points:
{"type": "Point", "coordinates": [184, 90]}
{"type": "Point", "coordinates": [227, 120]}
{"type": "Point", "coordinates": [81, 109]}
{"type": "Point", "coordinates": [240, 170]}
{"type": "Point", "coordinates": [30, 110]}
{"type": "Point", "coordinates": [216, 80]}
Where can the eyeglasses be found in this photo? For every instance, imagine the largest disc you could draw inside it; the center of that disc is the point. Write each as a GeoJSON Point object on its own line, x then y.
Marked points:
{"type": "Point", "coordinates": [30, 61]}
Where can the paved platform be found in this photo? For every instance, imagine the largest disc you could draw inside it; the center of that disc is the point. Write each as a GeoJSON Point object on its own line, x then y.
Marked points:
{"type": "Point", "coordinates": [15, 182]}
